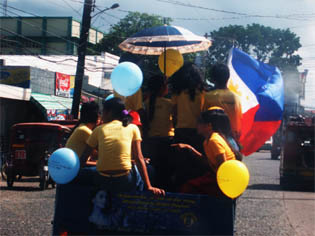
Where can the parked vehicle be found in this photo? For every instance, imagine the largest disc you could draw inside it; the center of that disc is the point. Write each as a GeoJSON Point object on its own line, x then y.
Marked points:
{"type": "Point", "coordinates": [266, 146]}
{"type": "Point", "coordinates": [298, 152]}
{"type": "Point", "coordinates": [30, 147]}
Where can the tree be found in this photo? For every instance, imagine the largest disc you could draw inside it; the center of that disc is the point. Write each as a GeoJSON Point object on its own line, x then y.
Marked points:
{"type": "Point", "coordinates": [126, 27]}
{"type": "Point", "coordinates": [273, 46]}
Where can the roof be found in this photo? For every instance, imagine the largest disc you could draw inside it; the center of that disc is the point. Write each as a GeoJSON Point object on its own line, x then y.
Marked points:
{"type": "Point", "coordinates": [52, 102]}
{"type": "Point", "coordinates": [95, 66]}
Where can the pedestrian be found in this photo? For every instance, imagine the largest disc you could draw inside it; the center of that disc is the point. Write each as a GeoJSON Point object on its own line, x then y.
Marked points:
{"type": "Point", "coordinates": [116, 139]}
{"type": "Point", "coordinates": [223, 97]}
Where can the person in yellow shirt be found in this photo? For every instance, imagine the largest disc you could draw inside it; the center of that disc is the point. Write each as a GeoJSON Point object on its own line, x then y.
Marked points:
{"type": "Point", "coordinates": [160, 128]}
{"type": "Point", "coordinates": [225, 98]}
{"type": "Point", "coordinates": [117, 140]}
{"type": "Point", "coordinates": [187, 88]}
{"type": "Point", "coordinates": [89, 115]}
{"type": "Point", "coordinates": [219, 146]}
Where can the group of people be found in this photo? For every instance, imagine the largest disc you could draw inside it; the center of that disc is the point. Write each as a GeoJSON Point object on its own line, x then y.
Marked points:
{"type": "Point", "coordinates": [186, 133]}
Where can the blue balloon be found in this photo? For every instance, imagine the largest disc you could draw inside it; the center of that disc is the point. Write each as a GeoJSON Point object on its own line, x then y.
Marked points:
{"type": "Point", "coordinates": [126, 78]}
{"type": "Point", "coordinates": [63, 165]}
{"type": "Point", "coordinates": [109, 97]}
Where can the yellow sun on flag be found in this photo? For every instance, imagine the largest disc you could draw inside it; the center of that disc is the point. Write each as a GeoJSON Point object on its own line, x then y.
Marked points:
{"type": "Point", "coordinates": [234, 87]}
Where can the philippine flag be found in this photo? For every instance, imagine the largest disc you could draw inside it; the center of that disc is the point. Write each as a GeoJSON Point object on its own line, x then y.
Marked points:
{"type": "Point", "coordinates": [260, 88]}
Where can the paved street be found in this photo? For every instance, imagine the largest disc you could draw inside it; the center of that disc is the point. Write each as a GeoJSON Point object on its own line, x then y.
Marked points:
{"type": "Point", "coordinates": [264, 209]}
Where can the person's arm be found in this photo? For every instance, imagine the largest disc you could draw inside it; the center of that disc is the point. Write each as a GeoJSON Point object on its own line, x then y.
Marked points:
{"type": "Point", "coordinates": [188, 147]}
{"type": "Point", "coordinates": [85, 155]}
{"type": "Point", "coordinates": [219, 160]}
{"type": "Point", "coordinates": [137, 153]}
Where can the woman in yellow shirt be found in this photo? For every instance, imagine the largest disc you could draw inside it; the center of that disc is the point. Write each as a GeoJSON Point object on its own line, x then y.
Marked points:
{"type": "Point", "coordinates": [115, 140]}
{"type": "Point", "coordinates": [219, 146]}
{"type": "Point", "coordinates": [187, 88]}
{"type": "Point", "coordinates": [158, 110]}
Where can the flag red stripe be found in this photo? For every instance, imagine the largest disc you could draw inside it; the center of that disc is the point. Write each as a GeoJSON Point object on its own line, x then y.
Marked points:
{"type": "Point", "coordinates": [247, 121]}
{"type": "Point", "coordinates": [255, 138]}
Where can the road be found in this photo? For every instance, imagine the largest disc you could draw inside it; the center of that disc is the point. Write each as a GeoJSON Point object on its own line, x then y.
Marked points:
{"type": "Point", "coordinates": [264, 208]}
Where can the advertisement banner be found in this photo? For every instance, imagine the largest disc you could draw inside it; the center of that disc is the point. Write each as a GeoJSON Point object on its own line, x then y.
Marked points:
{"type": "Point", "coordinates": [105, 213]}
{"type": "Point", "coordinates": [57, 114]}
{"type": "Point", "coordinates": [72, 79]}
{"type": "Point", "coordinates": [64, 85]}
{"type": "Point", "coordinates": [15, 76]}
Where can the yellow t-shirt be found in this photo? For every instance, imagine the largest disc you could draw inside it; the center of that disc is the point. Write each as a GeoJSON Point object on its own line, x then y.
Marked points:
{"type": "Point", "coordinates": [114, 145]}
{"type": "Point", "coordinates": [231, 104]}
{"type": "Point", "coordinates": [161, 124]}
{"type": "Point", "coordinates": [133, 102]}
{"type": "Point", "coordinates": [77, 140]}
{"type": "Point", "coordinates": [215, 146]}
{"type": "Point", "coordinates": [187, 111]}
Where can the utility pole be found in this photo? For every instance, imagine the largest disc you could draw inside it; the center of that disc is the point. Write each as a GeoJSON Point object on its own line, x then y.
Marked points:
{"type": "Point", "coordinates": [86, 23]}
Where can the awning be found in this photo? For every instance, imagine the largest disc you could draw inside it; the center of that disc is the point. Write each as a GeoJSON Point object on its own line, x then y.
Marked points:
{"type": "Point", "coordinates": [53, 107]}
{"type": "Point", "coordinates": [13, 92]}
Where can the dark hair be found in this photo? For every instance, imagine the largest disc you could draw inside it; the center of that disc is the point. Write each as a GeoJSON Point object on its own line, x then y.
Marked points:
{"type": "Point", "coordinates": [220, 74]}
{"type": "Point", "coordinates": [117, 107]}
{"type": "Point", "coordinates": [188, 78]}
{"type": "Point", "coordinates": [218, 119]}
{"type": "Point", "coordinates": [220, 123]}
{"type": "Point", "coordinates": [155, 85]}
{"type": "Point", "coordinates": [89, 112]}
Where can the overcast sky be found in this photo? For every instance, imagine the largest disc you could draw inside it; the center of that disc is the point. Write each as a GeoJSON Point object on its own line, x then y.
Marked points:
{"type": "Point", "coordinates": [205, 16]}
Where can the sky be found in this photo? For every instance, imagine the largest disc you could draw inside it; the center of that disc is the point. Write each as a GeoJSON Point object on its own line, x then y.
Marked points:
{"type": "Point", "coordinates": [199, 16]}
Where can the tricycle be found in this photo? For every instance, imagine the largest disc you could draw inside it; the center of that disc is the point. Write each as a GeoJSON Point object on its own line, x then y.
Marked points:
{"type": "Point", "coordinates": [30, 147]}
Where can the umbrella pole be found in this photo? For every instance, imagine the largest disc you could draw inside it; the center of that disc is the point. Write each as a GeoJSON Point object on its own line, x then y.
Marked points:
{"type": "Point", "coordinates": [165, 61]}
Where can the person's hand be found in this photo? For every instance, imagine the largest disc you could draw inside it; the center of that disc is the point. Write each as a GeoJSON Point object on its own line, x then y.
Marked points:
{"type": "Point", "coordinates": [147, 160]}
{"type": "Point", "coordinates": [157, 191]}
{"type": "Point", "coordinates": [181, 146]}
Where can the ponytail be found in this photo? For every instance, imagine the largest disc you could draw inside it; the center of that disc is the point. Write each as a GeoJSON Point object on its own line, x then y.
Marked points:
{"type": "Point", "coordinates": [118, 110]}
{"type": "Point", "coordinates": [126, 118]}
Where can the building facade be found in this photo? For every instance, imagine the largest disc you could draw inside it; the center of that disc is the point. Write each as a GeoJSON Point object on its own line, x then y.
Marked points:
{"type": "Point", "coordinates": [42, 36]}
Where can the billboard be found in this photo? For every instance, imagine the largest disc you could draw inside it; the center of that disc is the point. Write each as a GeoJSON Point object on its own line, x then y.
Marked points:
{"type": "Point", "coordinates": [15, 76]}
{"type": "Point", "coordinates": [64, 85]}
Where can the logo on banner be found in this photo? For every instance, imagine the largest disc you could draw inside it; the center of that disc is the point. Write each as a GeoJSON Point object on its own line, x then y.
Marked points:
{"type": "Point", "coordinates": [63, 85]}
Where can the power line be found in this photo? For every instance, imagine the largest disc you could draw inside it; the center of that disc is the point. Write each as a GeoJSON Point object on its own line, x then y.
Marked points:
{"type": "Point", "coordinates": [75, 10]}
{"type": "Point", "coordinates": [288, 17]}
{"type": "Point", "coordinates": [40, 44]}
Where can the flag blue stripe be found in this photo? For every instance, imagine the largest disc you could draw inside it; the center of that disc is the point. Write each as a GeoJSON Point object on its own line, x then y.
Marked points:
{"type": "Point", "coordinates": [157, 31]}
{"type": "Point", "coordinates": [264, 81]}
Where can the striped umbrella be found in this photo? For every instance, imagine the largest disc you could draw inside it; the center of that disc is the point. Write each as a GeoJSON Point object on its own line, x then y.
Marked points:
{"type": "Point", "coordinates": [155, 40]}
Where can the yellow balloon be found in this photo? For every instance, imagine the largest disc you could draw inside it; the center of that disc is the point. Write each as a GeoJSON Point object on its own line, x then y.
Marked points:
{"type": "Point", "coordinates": [233, 178]}
{"type": "Point", "coordinates": [174, 61]}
